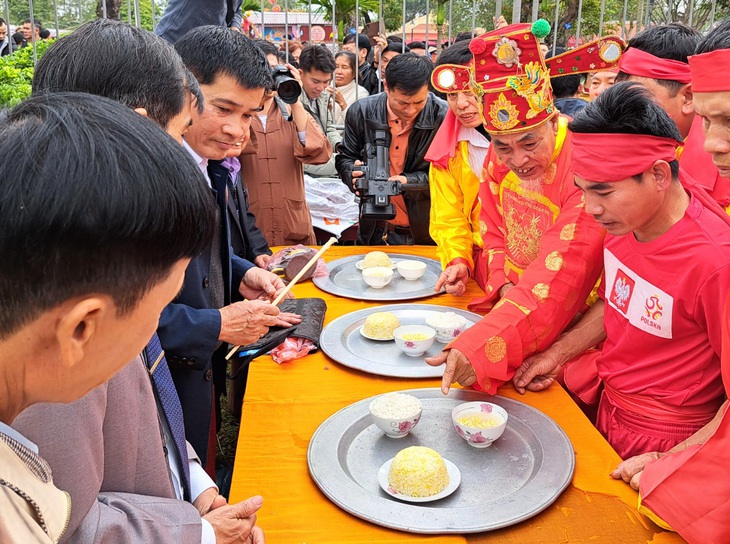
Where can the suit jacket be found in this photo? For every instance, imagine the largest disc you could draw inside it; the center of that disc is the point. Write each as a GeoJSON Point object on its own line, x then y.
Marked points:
{"type": "Point", "coordinates": [106, 451]}
{"type": "Point", "coordinates": [184, 15]}
{"type": "Point", "coordinates": [189, 329]}
{"type": "Point", "coordinates": [326, 121]}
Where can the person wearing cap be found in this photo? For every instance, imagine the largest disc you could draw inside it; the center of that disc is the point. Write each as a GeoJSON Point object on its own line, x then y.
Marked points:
{"type": "Point", "coordinates": [657, 58]}
{"type": "Point", "coordinates": [688, 487]}
{"type": "Point", "coordinates": [543, 252]}
{"type": "Point", "coordinates": [457, 155]}
{"type": "Point", "coordinates": [656, 378]}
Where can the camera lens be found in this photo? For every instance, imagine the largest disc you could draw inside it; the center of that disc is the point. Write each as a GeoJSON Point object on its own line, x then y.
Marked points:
{"type": "Point", "coordinates": [286, 86]}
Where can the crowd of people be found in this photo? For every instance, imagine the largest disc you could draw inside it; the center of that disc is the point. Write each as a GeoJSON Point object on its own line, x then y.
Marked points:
{"type": "Point", "coordinates": [137, 231]}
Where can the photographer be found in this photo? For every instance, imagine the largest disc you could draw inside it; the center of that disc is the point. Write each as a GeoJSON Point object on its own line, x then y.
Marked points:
{"type": "Point", "coordinates": [411, 115]}
{"type": "Point", "coordinates": [287, 137]}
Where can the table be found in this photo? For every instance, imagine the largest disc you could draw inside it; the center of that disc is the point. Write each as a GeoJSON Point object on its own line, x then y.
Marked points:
{"type": "Point", "coordinates": [284, 405]}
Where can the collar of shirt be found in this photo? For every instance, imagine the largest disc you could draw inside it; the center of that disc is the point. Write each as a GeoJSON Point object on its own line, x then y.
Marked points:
{"type": "Point", "coordinates": [200, 161]}
{"type": "Point", "coordinates": [7, 430]}
{"type": "Point", "coordinates": [473, 136]}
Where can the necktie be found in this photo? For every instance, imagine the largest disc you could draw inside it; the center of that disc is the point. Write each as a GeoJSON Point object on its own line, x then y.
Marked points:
{"type": "Point", "coordinates": [170, 402]}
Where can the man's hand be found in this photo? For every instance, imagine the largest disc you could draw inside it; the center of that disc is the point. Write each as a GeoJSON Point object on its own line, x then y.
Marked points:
{"type": "Point", "coordinates": [454, 279]}
{"type": "Point", "coordinates": [261, 284]}
{"type": "Point", "coordinates": [538, 371]}
{"type": "Point", "coordinates": [499, 23]}
{"type": "Point", "coordinates": [286, 320]}
{"type": "Point", "coordinates": [245, 322]}
{"type": "Point", "coordinates": [237, 523]}
{"type": "Point", "coordinates": [506, 287]}
{"type": "Point", "coordinates": [630, 470]}
{"type": "Point", "coordinates": [458, 369]}
{"type": "Point", "coordinates": [338, 96]}
{"type": "Point", "coordinates": [262, 261]}
{"type": "Point", "coordinates": [356, 174]}
{"type": "Point", "coordinates": [209, 500]}
{"type": "Point", "coordinates": [381, 43]}
{"type": "Point", "coordinates": [402, 179]}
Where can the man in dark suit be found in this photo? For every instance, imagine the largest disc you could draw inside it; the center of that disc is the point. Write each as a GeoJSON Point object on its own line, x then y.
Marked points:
{"type": "Point", "coordinates": [182, 16]}
{"type": "Point", "coordinates": [196, 329]}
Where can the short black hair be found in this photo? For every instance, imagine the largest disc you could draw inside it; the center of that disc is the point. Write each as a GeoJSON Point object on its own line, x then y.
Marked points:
{"type": "Point", "coordinates": [673, 41]}
{"type": "Point", "coordinates": [267, 47]}
{"type": "Point", "coordinates": [394, 38]}
{"type": "Point", "coordinates": [44, 34]}
{"type": "Point", "coordinates": [627, 108]}
{"type": "Point", "coordinates": [717, 38]}
{"type": "Point", "coordinates": [363, 42]}
{"type": "Point", "coordinates": [211, 51]}
{"type": "Point", "coordinates": [103, 202]}
{"type": "Point", "coordinates": [18, 38]}
{"type": "Point", "coordinates": [317, 57]}
{"type": "Point", "coordinates": [416, 45]}
{"type": "Point", "coordinates": [396, 47]}
{"type": "Point", "coordinates": [2, 21]}
{"type": "Point", "coordinates": [459, 53]}
{"type": "Point", "coordinates": [193, 87]}
{"type": "Point", "coordinates": [351, 59]}
{"type": "Point", "coordinates": [35, 22]}
{"type": "Point", "coordinates": [116, 60]}
{"type": "Point", "coordinates": [462, 36]}
{"type": "Point", "coordinates": [408, 73]}
{"type": "Point", "coordinates": [563, 86]}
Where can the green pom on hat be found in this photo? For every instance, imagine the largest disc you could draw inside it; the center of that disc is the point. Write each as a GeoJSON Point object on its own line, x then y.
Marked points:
{"type": "Point", "coordinates": [540, 28]}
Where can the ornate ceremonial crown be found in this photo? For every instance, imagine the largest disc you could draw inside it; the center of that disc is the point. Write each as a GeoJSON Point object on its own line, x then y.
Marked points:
{"type": "Point", "coordinates": [512, 79]}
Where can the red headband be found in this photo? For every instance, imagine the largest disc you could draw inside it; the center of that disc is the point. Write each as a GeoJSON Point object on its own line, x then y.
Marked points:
{"type": "Point", "coordinates": [636, 62]}
{"type": "Point", "coordinates": [603, 158]}
{"type": "Point", "coordinates": [708, 69]}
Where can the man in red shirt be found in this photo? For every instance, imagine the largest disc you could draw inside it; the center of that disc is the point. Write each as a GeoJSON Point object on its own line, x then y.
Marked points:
{"type": "Point", "coordinates": [666, 269]}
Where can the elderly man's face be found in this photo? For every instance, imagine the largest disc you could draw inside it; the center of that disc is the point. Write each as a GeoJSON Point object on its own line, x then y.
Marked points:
{"type": "Point", "coordinates": [714, 109]}
{"type": "Point", "coordinates": [226, 119]}
{"type": "Point", "coordinates": [3, 31]}
{"type": "Point", "coordinates": [600, 81]}
{"type": "Point", "coordinates": [527, 154]}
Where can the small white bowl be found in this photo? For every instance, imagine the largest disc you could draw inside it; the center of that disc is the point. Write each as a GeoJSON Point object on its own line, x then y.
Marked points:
{"type": "Point", "coordinates": [377, 277]}
{"type": "Point", "coordinates": [411, 270]}
{"type": "Point", "coordinates": [396, 427]}
{"type": "Point", "coordinates": [475, 436]}
{"type": "Point", "coordinates": [446, 334]}
{"type": "Point", "coordinates": [409, 346]}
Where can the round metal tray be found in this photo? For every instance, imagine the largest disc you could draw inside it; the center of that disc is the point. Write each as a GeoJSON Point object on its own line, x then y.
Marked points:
{"type": "Point", "coordinates": [345, 280]}
{"type": "Point", "coordinates": [517, 477]}
{"type": "Point", "coordinates": [341, 340]}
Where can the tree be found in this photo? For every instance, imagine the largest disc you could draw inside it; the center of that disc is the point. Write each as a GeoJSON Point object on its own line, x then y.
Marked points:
{"type": "Point", "coordinates": [345, 12]}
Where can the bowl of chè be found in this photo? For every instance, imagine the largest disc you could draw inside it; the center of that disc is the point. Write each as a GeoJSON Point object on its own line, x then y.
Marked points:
{"type": "Point", "coordinates": [414, 340]}
{"type": "Point", "coordinates": [411, 270]}
{"type": "Point", "coordinates": [396, 414]}
{"type": "Point", "coordinates": [448, 325]}
{"type": "Point", "coordinates": [377, 277]}
{"type": "Point", "coordinates": [479, 423]}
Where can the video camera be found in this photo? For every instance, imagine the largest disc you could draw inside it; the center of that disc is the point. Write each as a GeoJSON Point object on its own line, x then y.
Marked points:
{"type": "Point", "coordinates": [374, 186]}
{"type": "Point", "coordinates": [285, 85]}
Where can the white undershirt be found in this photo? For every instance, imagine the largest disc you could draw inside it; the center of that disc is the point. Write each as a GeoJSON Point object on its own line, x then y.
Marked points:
{"type": "Point", "coordinates": [477, 146]}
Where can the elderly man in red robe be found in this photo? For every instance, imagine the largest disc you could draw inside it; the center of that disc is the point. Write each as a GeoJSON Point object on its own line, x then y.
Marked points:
{"type": "Point", "coordinates": [543, 251]}
{"type": "Point", "coordinates": [688, 487]}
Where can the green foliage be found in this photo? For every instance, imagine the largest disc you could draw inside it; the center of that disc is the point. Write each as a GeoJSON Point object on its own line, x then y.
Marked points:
{"type": "Point", "coordinates": [344, 11]}
{"type": "Point", "coordinates": [145, 13]}
{"type": "Point", "coordinates": [16, 74]}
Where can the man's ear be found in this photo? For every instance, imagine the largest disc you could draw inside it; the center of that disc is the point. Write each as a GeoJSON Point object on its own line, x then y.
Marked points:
{"type": "Point", "coordinates": [141, 111]}
{"type": "Point", "coordinates": [687, 104]}
{"type": "Point", "coordinates": [77, 325]}
{"type": "Point", "coordinates": [661, 174]}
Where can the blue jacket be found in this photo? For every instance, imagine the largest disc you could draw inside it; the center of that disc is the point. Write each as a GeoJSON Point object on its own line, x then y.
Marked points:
{"type": "Point", "coordinates": [183, 15]}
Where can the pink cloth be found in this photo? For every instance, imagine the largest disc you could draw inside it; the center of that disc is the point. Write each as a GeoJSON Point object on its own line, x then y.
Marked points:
{"type": "Point", "coordinates": [292, 348]}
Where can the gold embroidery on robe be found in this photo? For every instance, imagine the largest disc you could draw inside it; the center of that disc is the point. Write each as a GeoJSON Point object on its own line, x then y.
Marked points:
{"type": "Point", "coordinates": [493, 186]}
{"type": "Point", "coordinates": [541, 292]}
{"type": "Point", "coordinates": [482, 228]}
{"type": "Point", "coordinates": [567, 233]}
{"type": "Point", "coordinates": [554, 261]}
{"type": "Point", "coordinates": [496, 349]}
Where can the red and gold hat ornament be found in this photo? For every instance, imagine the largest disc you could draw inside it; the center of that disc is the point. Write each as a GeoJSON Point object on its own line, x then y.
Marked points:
{"type": "Point", "coordinates": [511, 78]}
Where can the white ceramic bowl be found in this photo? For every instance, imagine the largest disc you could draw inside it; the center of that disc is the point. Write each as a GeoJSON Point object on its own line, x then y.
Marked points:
{"type": "Point", "coordinates": [377, 277]}
{"type": "Point", "coordinates": [446, 334]}
{"type": "Point", "coordinates": [396, 427]}
{"type": "Point", "coordinates": [411, 347]}
{"type": "Point", "coordinates": [477, 436]}
{"type": "Point", "coordinates": [411, 270]}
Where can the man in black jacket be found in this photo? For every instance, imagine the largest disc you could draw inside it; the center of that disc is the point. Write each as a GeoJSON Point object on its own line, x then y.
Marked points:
{"type": "Point", "coordinates": [412, 115]}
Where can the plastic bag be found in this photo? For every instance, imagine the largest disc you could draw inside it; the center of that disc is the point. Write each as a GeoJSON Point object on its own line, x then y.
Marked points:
{"type": "Point", "coordinates": [292, 348]}
{"type": "Point", "coordinates": [281, 259]}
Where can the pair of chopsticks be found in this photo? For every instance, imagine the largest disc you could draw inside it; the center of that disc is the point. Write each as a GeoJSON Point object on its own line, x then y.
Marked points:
{"type": "Point", "coordinates": [293, 282]}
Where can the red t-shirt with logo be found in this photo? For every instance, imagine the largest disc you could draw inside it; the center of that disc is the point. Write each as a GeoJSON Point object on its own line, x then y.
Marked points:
{"type": "Point", "coordinates": [664, 311]}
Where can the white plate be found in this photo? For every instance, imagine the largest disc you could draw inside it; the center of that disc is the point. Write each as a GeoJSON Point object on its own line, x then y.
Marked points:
{"type": "Point", "coordinates": [454, 481]}
{"type": "Point", "coordinates": [375, 339]}
{"type": "Point", "coordinates": [358, 264]}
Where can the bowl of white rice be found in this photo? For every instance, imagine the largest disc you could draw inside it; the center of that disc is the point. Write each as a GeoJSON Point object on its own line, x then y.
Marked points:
{"type": "Point", "coordinates": [448, 325]}
{"type": "Point", "coordinates": [396, 414]}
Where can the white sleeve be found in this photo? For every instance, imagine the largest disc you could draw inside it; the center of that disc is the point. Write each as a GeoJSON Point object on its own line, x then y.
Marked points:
{"type": "Point", "coordinates": [208, 534]}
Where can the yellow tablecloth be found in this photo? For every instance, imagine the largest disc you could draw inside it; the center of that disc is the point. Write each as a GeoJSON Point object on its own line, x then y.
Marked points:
{"type": "Point", "coordinates": [285, 404]}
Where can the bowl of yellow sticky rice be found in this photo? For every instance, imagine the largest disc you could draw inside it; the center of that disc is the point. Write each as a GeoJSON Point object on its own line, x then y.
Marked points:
{"type": "Point", "coordinates": [479, 423]}
{"type": "Point", "coordinates": [414, 340]}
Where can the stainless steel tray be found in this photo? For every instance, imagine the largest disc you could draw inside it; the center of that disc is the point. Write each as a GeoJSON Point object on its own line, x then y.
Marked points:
{"type": "Point", "coordinates": [341, 340]}
{"type": "Point", "coordinates": [517, 477]}
{"type": "Point", "coordinates": [346, 280]}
